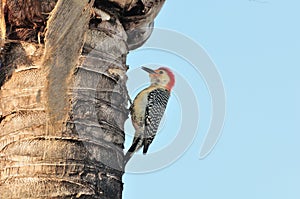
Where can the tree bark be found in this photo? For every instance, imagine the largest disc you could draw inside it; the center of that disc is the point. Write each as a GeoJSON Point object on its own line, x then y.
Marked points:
{"type": "Point", "coordinates": [63, 94]}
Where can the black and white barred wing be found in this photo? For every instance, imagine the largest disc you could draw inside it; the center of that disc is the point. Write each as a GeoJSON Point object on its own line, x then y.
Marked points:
{"type": "Point", "coordinates": [157, 103]}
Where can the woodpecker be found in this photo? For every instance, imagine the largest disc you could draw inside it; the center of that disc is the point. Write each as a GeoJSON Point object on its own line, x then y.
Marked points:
{"type": "Point", "coordinates": [148, 108]}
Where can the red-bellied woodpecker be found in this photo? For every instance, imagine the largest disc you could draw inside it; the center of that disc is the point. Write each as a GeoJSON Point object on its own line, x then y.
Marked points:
{"type": "Point", "coordinates": [148, 108]}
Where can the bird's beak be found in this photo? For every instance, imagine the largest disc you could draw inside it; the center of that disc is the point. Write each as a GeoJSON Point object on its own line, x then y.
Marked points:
{"type": "Point", "coordinates": [148, 70]}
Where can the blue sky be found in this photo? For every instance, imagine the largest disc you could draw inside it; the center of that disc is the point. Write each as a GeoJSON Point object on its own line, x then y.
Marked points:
{"type": "Point", "coordinates": [255, 47]}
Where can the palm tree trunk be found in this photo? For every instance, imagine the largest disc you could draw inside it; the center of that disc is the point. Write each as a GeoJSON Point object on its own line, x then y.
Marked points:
{"type": "Point", "coordinates": [63, 96]}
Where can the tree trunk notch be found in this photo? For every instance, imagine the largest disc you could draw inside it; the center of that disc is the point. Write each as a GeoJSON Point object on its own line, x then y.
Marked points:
{"type": "Point", "coordinates": [136, 16]}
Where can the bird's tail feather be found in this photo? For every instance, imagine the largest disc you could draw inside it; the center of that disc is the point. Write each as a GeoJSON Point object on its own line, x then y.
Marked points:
{"type": "Point", "coordinates": [134, 147]}
{"type": "Point", "coordinates": [146, 146]}
{"type": "Point", "coordinates": [127, 157]}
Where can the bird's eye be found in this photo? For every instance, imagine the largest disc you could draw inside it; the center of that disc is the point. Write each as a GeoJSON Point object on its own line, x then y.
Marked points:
{"type": "Point", "coordinates": [161, 72]}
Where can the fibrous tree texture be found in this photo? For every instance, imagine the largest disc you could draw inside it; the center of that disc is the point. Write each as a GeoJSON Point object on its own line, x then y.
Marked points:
{"type": "Point", "coordinates": [63, 96]}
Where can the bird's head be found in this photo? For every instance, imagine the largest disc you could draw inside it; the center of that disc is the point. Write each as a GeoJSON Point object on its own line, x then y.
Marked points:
{"type": "Point", "coordinates": [162, 76]}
